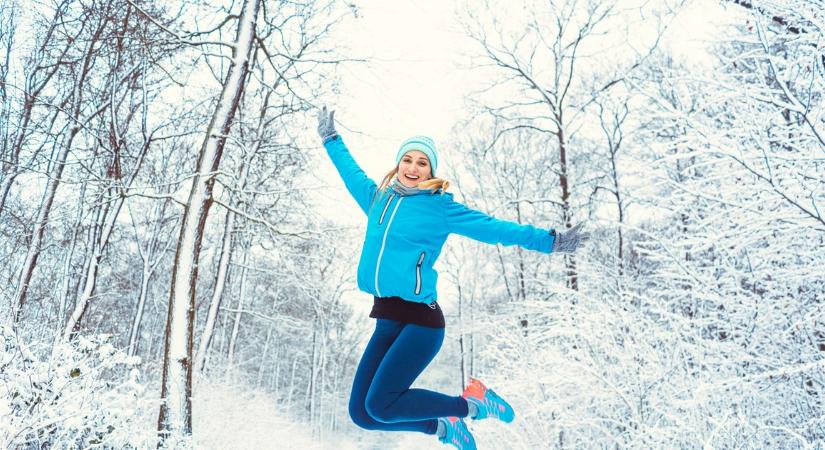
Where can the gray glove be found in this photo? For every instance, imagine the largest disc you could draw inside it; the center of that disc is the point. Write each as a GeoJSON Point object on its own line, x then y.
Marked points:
{"type": "Point", "coordinates": [326, 124]}
{"type": "Point", "coordinates": [568, 241]}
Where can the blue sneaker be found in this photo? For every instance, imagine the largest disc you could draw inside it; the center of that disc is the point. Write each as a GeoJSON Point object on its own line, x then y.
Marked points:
{"type": "Point", "coordinates": [488, 402]}
{"type": "Point", "coordinates": [457, 434]}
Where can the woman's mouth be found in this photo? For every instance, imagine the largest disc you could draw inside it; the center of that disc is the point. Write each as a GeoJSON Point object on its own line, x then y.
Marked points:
{"type": "Point", "coordinates": [411, 177]}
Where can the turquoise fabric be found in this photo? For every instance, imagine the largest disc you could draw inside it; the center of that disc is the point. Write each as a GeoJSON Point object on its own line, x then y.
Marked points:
{"type": "Point", "coordinates": [405, 234]}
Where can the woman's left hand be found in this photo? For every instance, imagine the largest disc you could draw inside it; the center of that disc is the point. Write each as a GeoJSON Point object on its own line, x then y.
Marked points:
{"type": "Point", "coordinates": [568, 241]}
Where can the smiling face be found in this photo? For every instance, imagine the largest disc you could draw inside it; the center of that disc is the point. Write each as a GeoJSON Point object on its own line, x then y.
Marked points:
{"type": "Point", "coordinates": [414, 168]}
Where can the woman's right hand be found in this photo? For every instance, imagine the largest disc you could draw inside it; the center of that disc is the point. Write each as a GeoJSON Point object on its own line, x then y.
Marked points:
{"type": "Point", "coordinates": [326, 124]}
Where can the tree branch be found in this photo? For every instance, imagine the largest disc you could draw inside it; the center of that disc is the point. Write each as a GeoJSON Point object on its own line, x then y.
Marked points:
{"type": "Point", "coordinates": [179, 38]}
{"type": "Point", "coordinates": [776, 19]}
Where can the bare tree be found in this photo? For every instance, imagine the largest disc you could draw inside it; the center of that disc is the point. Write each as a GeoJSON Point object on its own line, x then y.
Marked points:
{"type": "Point", "coordinates": [8, 19]}
{"type": "Point", "coordinates": [228, 239]}
{"type": "Point", "coordinates": [175, 418]}
{"type": "Point", "coordinates": [612, 117]}
{"type": "Point", "coordinates": [75, 118]}
{"type": "Point", "coordinates": [262, 175]}
{"type": "Point", "coordinates": [52, 53]}
{"type": "Point", "coordinates": [104, 90]}
{"type": "Point", "coordinates": [540, 65]}
{"type": "Point", "coordinates": [151, 255]}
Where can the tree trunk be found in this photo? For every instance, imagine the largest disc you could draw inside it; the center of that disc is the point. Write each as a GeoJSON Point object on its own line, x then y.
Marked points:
{"type": "Point", "coordinates": [233, 338]}
{"type": "Point", "coordinates": [621, 213]}
{"type": "Point", "coordinates": [291, 384]}
{"type": "Point", "coordinates": [175, 417]}
{"type": "Point", "coordinates": [217, 295]}
{"type": "Point", "coordinates": [275, 380]}
{"type": "Point", "coordinates": [36, 243]}
{"type": "Point", "coordinates": [472, 337]}
{"type": "Point", "coordinates": [67, 268]}
{"type": "Point", "coordinates": [9, 163]}
{"type": "Point", "coordinates": [149, 268]}
{"type": "Point", "coordinates": [461, 336]}
{"type": "Point", "coordinates": [309, 399]}
{"type": "Point", "coordinates": [106, 224]}
{"type": "Point", "coordinates": [134, 331]}
{"type": "Point", "coordinates": [569, 259]}
{"type": "Point", "coordinates": [226, 250]}
{"type": "Point", "coordinates": [262, 364]}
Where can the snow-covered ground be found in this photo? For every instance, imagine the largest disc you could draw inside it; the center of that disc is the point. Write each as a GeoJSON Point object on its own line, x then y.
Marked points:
{"type": "Point", "coordinates": [232, 417]}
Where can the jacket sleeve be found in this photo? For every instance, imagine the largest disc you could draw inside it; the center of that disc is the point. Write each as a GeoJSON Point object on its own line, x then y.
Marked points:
{"type": "Point", "coordinates": [482, 227]}
{"type": "Point", "coordinates": [357, 182]}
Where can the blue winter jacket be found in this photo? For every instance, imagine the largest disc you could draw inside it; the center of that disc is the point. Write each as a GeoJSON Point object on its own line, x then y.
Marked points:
{"type": "Point", "coordinates": [405, 233]}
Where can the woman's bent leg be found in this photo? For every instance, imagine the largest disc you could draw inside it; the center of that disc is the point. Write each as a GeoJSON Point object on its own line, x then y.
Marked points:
{"type": "Point", "coordinates": [390, 398]}
{"type": "Point", "coordinates": [385, 334]}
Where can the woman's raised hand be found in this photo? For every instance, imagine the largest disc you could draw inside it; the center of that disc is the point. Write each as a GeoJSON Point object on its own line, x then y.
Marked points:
{"type": "Point", "coordinates": [326, 124]}
{"type": "Point", "coordinates": [568, 241]}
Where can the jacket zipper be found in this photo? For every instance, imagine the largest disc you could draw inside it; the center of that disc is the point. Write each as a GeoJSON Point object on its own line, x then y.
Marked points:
{"type": "Point", "coordinates": [381, 219]}
{"type": "Point", "coordinates": [418, 274]}
{"type": "Point", "coordinates": [383, 243]}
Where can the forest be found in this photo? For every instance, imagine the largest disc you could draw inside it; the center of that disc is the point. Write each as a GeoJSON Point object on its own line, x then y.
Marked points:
{"type": "Point", "coordinates": [178, 257]}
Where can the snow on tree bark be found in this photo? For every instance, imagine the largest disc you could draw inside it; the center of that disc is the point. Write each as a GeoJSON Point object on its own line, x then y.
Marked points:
{"type": "Point", "coordinates": [175, 417]}
{"type": "Point", "coordinates": [227, 246]}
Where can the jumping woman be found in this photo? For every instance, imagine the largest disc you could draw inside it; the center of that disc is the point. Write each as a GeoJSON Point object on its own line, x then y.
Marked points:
{"type": "Point", "coordinates": [409, 216]}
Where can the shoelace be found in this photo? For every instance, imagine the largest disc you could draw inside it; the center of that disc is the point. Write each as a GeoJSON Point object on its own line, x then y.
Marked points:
{"type": "Point", "coordinates": [493, 403]}
{"type": "Point", "coordinates": [456, 434]}
{"type": "Point", "coordinates": [487, 404]}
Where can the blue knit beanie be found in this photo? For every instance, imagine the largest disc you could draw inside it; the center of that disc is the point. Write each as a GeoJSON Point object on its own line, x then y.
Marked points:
{"type": "Point", "coordinates": [424, 145]}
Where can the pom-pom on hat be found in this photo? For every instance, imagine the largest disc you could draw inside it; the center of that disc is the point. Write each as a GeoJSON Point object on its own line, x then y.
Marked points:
{"type": "Point", "coordinates": [423, 144]}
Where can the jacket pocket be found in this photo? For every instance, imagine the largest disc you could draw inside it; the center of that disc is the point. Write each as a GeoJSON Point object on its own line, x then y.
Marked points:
{"type": "Point", "coordinates": [418, 273]}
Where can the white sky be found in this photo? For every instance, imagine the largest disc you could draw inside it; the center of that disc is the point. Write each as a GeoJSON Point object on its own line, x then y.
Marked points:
{"type": "Point", "coordinates": [410, 86]}
{"type": "Point", "coordinates": [413, 83]}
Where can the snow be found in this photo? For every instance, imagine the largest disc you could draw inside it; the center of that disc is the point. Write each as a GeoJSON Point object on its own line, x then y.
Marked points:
{"type": "Point", "coordinates": [227, 415]}
{"type": "Point", "coordinates": [698, 316]}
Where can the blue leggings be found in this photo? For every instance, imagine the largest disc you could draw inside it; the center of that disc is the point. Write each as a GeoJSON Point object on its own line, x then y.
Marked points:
{"type": "Point", "coordinates": [381, 397]}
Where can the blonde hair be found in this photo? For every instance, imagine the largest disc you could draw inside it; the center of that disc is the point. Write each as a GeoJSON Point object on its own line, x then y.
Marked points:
{"type": "Point", "coordinates": [433, 184]}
